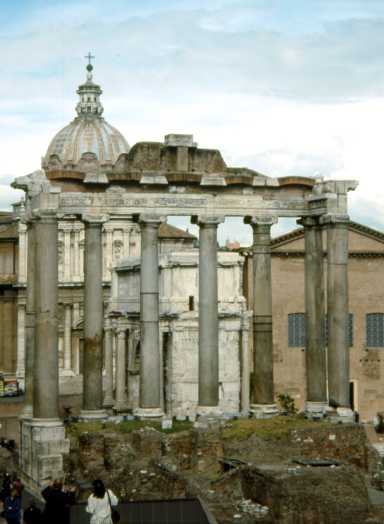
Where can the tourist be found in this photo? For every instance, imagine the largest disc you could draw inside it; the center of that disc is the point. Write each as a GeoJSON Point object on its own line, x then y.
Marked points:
{"type": "Point", "coordinates": [18, 485]}
{"type": "Point", "coordinates": [57, 503]}
{"type": "Point", "coordinates": [6, 487]}
{"type": "Point", "coordinates": [32, 514]}
{"type": "Point", "coordinates": [100, 503]}
{"type": "Point", "coordinates": [12, 508]}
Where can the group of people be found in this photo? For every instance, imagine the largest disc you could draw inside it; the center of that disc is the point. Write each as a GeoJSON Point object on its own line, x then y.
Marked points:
{"type": "Point", "coordinates": [58, 501]}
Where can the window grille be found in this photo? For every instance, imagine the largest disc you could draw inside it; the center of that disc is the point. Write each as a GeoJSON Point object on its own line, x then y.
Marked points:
{"type": "Point", "coordinates": [375, 330]}
{"type": "Point", "coordinates": [296, 330]}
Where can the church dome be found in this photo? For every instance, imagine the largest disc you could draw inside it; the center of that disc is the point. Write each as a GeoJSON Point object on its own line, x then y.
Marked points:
{"type": "Point", "coordinates": [87, 136]}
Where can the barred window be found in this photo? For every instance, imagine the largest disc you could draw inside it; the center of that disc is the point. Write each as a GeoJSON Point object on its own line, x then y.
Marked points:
{"type": "Point", "coordinates": [375, 330]}
{"type": "Point", "coordinates": [349, 332]}
{"type": "Point", "coordinates": [296, 330]}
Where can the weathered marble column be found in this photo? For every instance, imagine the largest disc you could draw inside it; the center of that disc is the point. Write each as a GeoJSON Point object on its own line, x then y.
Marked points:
{"type": "Point", "coordinates": [337, 307]}
{"type": "Point", "coordinates": [30, 322]}
{"type": "Point", "coordinates": [108, 364]}
{"type": "Point", "coordinates": [150, 365]}
{"type": "Point", "coordinates": [68, 337]}
{"type": "Point", "coordinates": [245, 362]}
{"type": "Point", "coordinates": [20, 351]}
{"type": "Point", "coordinates": [314, 308]}
{"type": "Point", "coordinates": [93, 319]}
{"type": "Point", "coordinates": [121, 372]}
{"type": "Point", "coordinates": [46, 364]}
{"type": "Point", "coordinates": [263, 391]}
{"type": "Point", "coordinates": [42, 437]}
{"type": "Point", "coordinates": [208, 399]}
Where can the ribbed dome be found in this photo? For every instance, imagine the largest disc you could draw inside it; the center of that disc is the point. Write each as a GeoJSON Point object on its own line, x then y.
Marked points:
{"type": "Point", "coordinates": [87, 133]}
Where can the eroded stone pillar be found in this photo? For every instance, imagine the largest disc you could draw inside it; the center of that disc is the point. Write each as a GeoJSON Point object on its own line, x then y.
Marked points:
{"type": "Point", "coordinates": [108, 364]}
{"type": "Point", "coordinates": [245, 361]}
{"type": "Point", "coordinates": [30, 322]}
{"type": "Point", "coordinates": [43, 441]}
{"type": "Point", "coordinates": [337, 309]}
{"type": "Point", "coordinates": [46, 364]}
{"type": "Point", "coordinates": [93, 319]}
{"type": "Point", "coordinates": [208, 399]}
{"type": "Point", "coordinates": [68, 337]}
{"type": "Point", "coordinates": [20, 350]}
{"type": "Point", "coordinates": [150, 365]}
{"type": "Point", "coordinates": [314, 309]}
{"type": "Point", "coordinates": [263, 391]}
{"type": "Point", "coordinates": [121, 371]}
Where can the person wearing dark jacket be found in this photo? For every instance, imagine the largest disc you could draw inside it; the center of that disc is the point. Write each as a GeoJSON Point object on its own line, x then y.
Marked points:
{"type": "Point", "coordinates": [12, 508]}
{"type": "Point", "coordinates": [57, 503]}
{"type": "Point", "coordinates": [32, 514]}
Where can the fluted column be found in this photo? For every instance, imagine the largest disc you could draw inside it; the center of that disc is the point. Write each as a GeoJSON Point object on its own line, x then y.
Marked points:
{"type": "Point", "coordinates": [314, 310]}
{"type": "Point", "coordinates": [108, 364]}
{"type": "Point", "coordinates": [150, 365]}
{"type": "Point", "coordinates": [263, 390]}
{"type": "Point", "coordinates": [121, 372]}
{"type": "Point", "coordinates": [337, 309]}
{"type": "Point", "coordinates": [46, 383]}
{"type": "Point", "coordinates": [93, 319]}
{"type": "Point", "coordinates": [208, 399]}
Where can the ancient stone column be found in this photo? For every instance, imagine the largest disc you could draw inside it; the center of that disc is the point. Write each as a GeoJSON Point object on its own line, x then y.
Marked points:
{"type": "Point", "coordinates": [263, 390]}
{"type": "Point", "coordinates": [46, 364]}
{"type": "Point", "coordinates": [108, 364]}
{"type": "Point", "coordinates": [43, 436]}
{"type": "Point", "coordinates": [67, 337]}
{"type": "Point", "coordinates": [93, 319]}
{"type": "Point", "coordinates": [150, 365]}
{"type": "Point", "coordinates": [245, 362]}
{"type": "Point", "coordinates": [337, 308]}
{"type": "Point", "coordinates": [20, 350]}
{"type": "Point", "coordinates": [314, 309]}
{"type": "Point", "coordinates": [30, 322]}
{"type": "Point", "coordinates": [208, 399]}
{"type": "Point", "coordinates": [121, 372]}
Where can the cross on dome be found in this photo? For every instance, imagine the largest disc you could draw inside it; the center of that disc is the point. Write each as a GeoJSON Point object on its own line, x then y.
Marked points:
{"type": "Point", "coordinates": [90, 58]}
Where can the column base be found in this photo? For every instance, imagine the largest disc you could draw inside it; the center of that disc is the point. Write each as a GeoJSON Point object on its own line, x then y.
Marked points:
{"type": "Point", "coordinates": [209, 412]}
{"type": "Point", "coordinates": [108, 402]}
{"type": "Point", "coordinates": [148, 413]}
{"type": "Point", "coordinates": [263, 411]}
{"type": "Point", "coordinates": [120, 407]}
{"type": "Point", "coordinates": [315, 410]}
{"type": "Point", "coordinates": [93, 414]}
{"type": "Point", "coordinates": [342, 416]}
{"type": "Point", "coordinates": [43, 445]}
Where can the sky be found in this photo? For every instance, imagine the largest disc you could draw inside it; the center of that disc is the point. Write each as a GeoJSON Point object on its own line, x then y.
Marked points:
{"type": "Point", "coordinates": [285, 87]}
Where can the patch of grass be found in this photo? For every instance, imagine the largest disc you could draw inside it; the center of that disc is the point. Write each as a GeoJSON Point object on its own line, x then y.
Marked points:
{"type": "Point", "coordinates": [125, 427]}
{"type": "Point", "coordinates": [276, 428]}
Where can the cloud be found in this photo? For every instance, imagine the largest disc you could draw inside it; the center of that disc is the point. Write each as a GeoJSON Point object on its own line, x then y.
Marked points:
{"type": "Point", "coordinates": [283, 87]}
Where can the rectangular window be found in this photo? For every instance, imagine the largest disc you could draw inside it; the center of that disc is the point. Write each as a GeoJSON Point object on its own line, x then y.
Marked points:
{"type": "Point", "coordinates": [375, 330]}
{"type": "Point", "coordinates": [296, 330]}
